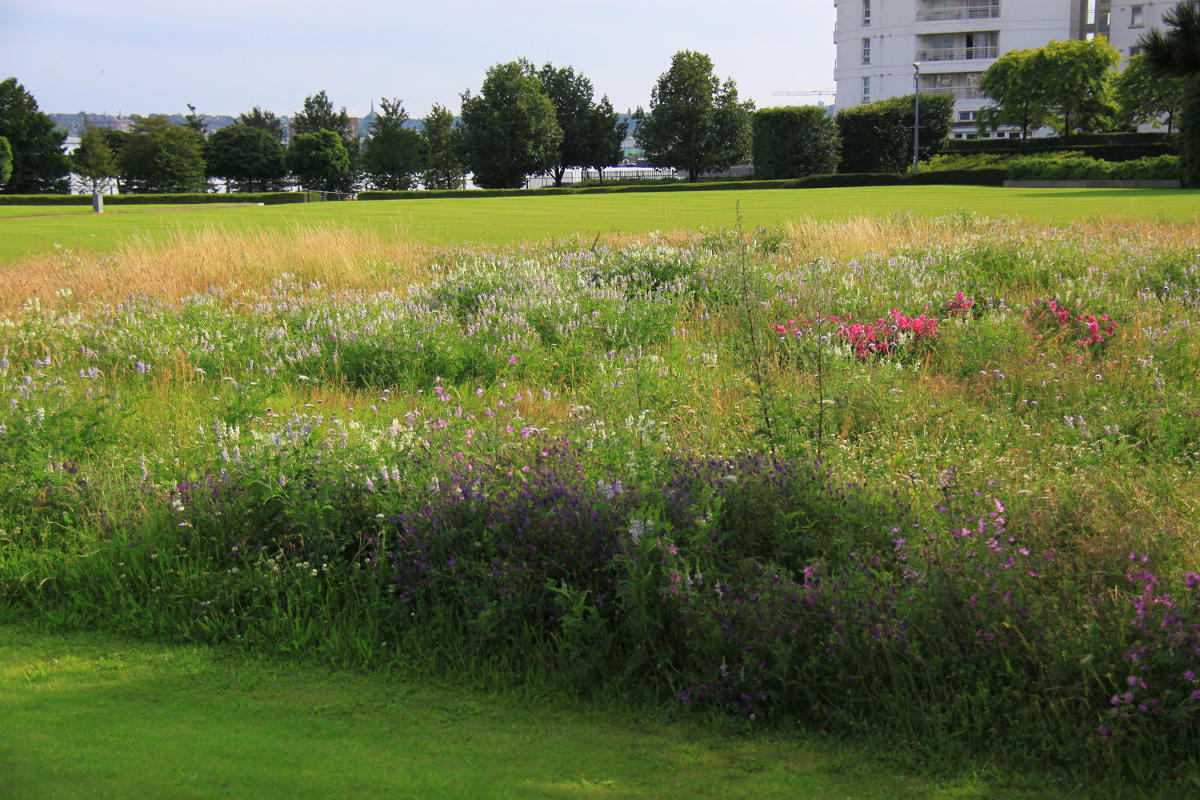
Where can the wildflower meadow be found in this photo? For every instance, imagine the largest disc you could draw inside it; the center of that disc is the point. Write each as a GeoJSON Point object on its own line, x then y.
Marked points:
{"type": "Point", "coordinates": [936, 487]}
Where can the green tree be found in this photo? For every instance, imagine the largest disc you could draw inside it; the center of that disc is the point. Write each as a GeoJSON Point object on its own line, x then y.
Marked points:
{"type": "Point", "coordinates": [395, 155]}
{"type": "Point", "coordinates": [248, 158]}
{"type": "Point", "coordinates": [1177, 53]}
{"type": "Point", "coordinates": [588, 127]}
{"type": "Point", "coordinates": [795, 141]}
{"type": "Point", "coordinates": [1145, 95]}
{"type": "Point", "coordinates": [1018, 90]}
{"type": "Point", "coordinates": [318, 115]}
{"type": "Point", "coordinates": [5, 161]}
{"type": "Point", "coordinates": [1077, 77]}
{"type": "Point", "coordinates": [509, 130]}
{"type": "Point", "coordinates": [264, 120]}
{"type": "Point", "coordinates": [444, 165]}
{"type": "Point", "coordinates": [162, 157]}
{"type": "Point", "coordinates": [93, 161]}
{"type": "Point", "coordinates": [320, 161]}
{"type": "Point", "coordinates": [695, 122]}
{"type": "Point", "coordinates": [195, 121]}
{"type": "Point", "coordinates": [38, 163]}
{"type": "Point", "coordinates": [607, 130]}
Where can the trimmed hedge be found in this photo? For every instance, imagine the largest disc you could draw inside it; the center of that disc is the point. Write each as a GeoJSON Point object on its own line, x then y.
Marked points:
{"type": "Point", "coordinates": [795, 141]}
{"type": "Point", "coordinates": [269, 198]}
{"type": "Point", "coordinates": [1084, 168]}
{"type": "Point", "coordinates": [1108, 147]}
{"type": "Point", "coordinates": [978, 177]}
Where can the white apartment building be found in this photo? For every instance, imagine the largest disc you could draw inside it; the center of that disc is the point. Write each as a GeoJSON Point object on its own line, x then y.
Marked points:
{"type": "Point", "coordinates": [954, 41]}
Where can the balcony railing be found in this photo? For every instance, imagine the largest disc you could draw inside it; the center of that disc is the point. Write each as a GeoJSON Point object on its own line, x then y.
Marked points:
{"type": "Point", "coordinates": [959, 12]}
{"type": "Point", "coordinates": [957, 53]}
{"type": "Point", "coordinates": [959, 92]}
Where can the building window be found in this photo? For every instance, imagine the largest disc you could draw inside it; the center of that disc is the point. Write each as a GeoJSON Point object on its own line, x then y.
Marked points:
{"type": "Point", "coordinates": [866, 50]}
{"type": "Point", "coordinates": [866, 88]}
{"type": "Point", "coordinates": [1135, 51]}
{"type": "Point", "coordinates": [866, 12]}
{"type": "Point", "coordinates": [1135, 16]}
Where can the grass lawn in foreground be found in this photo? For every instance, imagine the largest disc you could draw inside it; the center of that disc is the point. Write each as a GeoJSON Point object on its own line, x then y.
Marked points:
{"type": "Point", "coordinates": [98, 716]}
{"type": "Point", "coordinates": [502, 220]}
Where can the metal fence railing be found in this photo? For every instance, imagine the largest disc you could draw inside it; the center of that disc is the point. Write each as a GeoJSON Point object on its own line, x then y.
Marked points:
{"type": "Point", "coordinates": [957, 53]}
{"type": "Point", "coordinates": [991, 11]}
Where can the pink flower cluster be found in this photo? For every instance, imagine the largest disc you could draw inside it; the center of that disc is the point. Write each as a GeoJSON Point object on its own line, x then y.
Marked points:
{"type": "Point", "coordinates": [883, 337]}
{"type": "Point", "coordinates": [959, 305]}
{"type": "Point", "coordinates": [1050, 316]}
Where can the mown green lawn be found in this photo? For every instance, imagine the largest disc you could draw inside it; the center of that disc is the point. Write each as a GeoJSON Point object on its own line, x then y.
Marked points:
{"type": "Point", "coordinates": [510, 219]}
{"type": "Point", "coordinates": [87, 715]}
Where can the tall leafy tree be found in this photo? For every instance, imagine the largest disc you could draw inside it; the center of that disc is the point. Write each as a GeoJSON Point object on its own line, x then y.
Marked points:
{"type": "Point", "coordinates": [320, 161]}
{"type": "Point", "coordinates": [606, 131]}
{"type": "Point", "coordinates": [163, 157]}
{"type": "Point", "coordinates": [695, 122]}
{"type": "Point", "coordinates": [1146, 95]}
{"type": "Point", "coordinates": [1077, 77]}
{"type": "Point", "coordinates": [318, 114]}
{"type": "Point", "coordinates": [571, 94]}
{"type": "Point", "coordinates": [196, 122]}
{"type": "Point", "coordinates": [5, 161]}
{"type": "Point", "coordinates": [38, 162]}
{"type": "Point", "coordinates": [1018, 90]}
{"type": "Point", "coordinates": [93, 161]}
{"type": "Point", "coordinates": [395, 155]}
{"type": "Point", "coordinates": [264, 120]}
{"type": "Point", "coordinates": [444, 164]}
{"type": "Point", "coordinates": [1177, 52]}
{"type": "Point", "coordinates": [246, 157]}
{"type": "Point", "coordinates": [509, 130]}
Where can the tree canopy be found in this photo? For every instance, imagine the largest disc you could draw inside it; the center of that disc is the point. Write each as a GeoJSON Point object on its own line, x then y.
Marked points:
{"type": "Point", "coordinates": [395, 154]}
{"type": "Point", "coordinates": [264, 120]}
{"type": "Point", "coordinates": [38, 163]}
{"type": "Point", "coordinates": [320, 161]}
{"type": "Point", "coordinates": [443, 166]}
{"type": "Point", "coordinates": [1065, 84]}
{"type": "Point", "coordinates": [1146, 95]}
{"type": "Point", "coordinates": [247, 156]}
{"type": "Point", "coordinates": [509, 129]}
{"type": "Point", "coordinates": [162, 157]}
{"type": "Point", "coordinates": [318, 114]}
{"type": "Point", "coordinates": [588, 127]}
{"type": "Point", "coordinates": [1016, 88]}
{"type": "Point", "coordinates": [1177, 53]}
{"type": "Point", "coordinates": [5, 161]}
{"type": "Point", "coordinates": [695, 122]}
{"type": "Point", "coordinates": [94, 161]}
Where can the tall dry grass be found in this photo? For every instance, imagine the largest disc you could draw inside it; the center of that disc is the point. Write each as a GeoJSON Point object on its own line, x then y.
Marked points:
{"type": "Point", "coordinates": [194, 261]}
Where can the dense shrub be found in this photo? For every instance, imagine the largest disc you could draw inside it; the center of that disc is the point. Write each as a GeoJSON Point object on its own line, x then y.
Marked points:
{"type": "Point", "coordinates": [794, 142]}
{"type": "Point", "coordinates": [1070, 167]}
{"type": "Point", "coordinates": [878, 137]}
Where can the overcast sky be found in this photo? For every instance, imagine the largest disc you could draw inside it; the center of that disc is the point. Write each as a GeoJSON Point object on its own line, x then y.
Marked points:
{"type": "Point", "coordinates": [225, 56]}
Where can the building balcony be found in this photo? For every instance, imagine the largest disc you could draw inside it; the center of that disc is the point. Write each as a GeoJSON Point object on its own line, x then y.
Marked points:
{"type": "Point", "coordinates": [957, 53]}
{"type": "Point", "coordinates": [959, 12]}
{"type": "Point", "coordinates": [959, 92]}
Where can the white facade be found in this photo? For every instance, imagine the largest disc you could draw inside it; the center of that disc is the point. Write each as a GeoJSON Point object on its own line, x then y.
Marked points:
{"type": "Point", "coordinates": [954, 41]}
{"type": "Point", "coordinates": [1128, 21]}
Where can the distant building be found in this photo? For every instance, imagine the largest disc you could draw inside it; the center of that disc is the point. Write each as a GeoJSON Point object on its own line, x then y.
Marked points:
{"type": "Point", "coordinates": [955, 41]}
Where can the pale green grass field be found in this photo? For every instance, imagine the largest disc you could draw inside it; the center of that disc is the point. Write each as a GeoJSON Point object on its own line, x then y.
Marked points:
{"type": "Point", "coordinates": [503, 220]}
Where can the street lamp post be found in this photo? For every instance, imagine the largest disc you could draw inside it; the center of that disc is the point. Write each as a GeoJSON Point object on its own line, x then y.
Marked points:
{"type": "Point", "coordinates": [916, 115]}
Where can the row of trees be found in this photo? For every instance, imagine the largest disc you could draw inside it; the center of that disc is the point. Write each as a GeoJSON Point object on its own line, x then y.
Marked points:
{"type": "Point", "coordinates": [524, 121]}
{"type": "Point", "coordinates": [158, 156]}
{"type": "Point", "coordinates": [1072, 87]}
